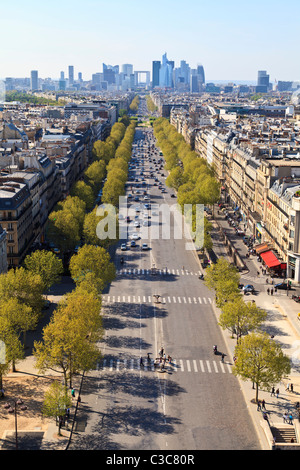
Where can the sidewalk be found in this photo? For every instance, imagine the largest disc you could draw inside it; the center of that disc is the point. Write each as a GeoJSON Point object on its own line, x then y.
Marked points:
{"type": "Point", "coordinates": [283, 324]}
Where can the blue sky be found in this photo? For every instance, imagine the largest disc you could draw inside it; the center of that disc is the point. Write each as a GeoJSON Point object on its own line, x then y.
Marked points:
{"type": "Point", "coordinates": [232, 39]}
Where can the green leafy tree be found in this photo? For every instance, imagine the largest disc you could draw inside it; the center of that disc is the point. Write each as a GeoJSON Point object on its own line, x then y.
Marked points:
{"type": "Point", "coordinates": [241, 317]}
{"type": "Point", "coordinates": [261, 360]}
{"type": "Point", "coordinates": [69, 343]}
{"type": "Point", "coordinates": [84, 192]}
{"type": "Point", "coordinates": [95, 260]}
{"type": "Point", "coordinates": [11, 347]}
{"type": "Point", "coordinates": [94, 175]}
{"type": "Point", "coordinates": [47, 265]}
{"type": "Point", "coordinates": [56, 402]}
{"type": "Point", "coordinates": [176, 178]}
{"type": "Point", "coordinates": [24, 286]}
{"type": "Point", "coordinates": [224, 279]}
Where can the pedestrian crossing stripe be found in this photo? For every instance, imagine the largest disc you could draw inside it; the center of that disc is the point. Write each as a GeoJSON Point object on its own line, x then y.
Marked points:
{"type": "Point", "coordinates": [177, 365]}
{"type": "Point", "coordinates": [111, 299]}
{"type": "Point", "coordinates": [161, 272]}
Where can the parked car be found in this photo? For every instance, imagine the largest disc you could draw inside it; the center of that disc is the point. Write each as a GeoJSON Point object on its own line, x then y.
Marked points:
{"type": "Point", "coordinates": [145, 246]}
{"type": "Point", "coordinates": [281, 285]}
{"type": "Point", "coordinates": [123, 247]}
{"type": "Point", "coordinates": [248, 289]}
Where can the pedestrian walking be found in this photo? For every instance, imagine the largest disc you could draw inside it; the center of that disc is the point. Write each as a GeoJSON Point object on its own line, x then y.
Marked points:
{"type": "Point", "coordinates": [285, 418]}
{"type": "Point", "coordinates": [273, 391]}
{"type": "Point", "coordinates": [272, 291]}
{"type": "Point", "coordinates": [287, 388]}
{"type": "Point", "coordinates": [275, 289]}
{"type": "Point", "coordinates": [258, 406]}
{"type": "Point", "coordinates": [292, 388]}
{"type": "Point", "coordinates": [73, 393]}
{"type": "Point", "coordinates": [223, 355]}
{"type": "Point", "coordinates": [290, 418]}
{"type": "Point", "coordinates": [268, 291]}
{"type": "Point", "coordinates": [263, 404]}
{"type": "Point", "coordinates": [277, 393]}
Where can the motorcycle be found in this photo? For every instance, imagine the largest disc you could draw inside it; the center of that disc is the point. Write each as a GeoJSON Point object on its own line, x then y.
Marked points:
{"type": "Point", "coordinates": [296, 298]}
{"type": "Point", "coordinates": [201, 276]}
{"type": "Point", "coordinates": [122, 260]}
{"type": "Point", "coordinates": [215, 350]}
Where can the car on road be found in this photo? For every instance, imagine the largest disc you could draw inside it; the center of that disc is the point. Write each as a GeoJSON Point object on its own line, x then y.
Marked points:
{"type": "Point", "coordinates": [281, 285]}
{"type": "Point", "coordinates": [123, 247]}
{"type": "Point", "coordinates": [248, 289]}
{"type": "Point", "coordinates": [132, 243]}
{"type": "Point", "coordinates": [145, 246]}
{"type": "Point", "coordinates": [134, 236]}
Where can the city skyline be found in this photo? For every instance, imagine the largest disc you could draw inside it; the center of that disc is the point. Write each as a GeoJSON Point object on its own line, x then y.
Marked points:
{"type": "Point", "coordinates": [232, 42]}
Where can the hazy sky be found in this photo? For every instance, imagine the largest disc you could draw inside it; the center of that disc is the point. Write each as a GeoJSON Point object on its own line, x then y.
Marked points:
{"type": "Point", "coordinates": [232, 39]}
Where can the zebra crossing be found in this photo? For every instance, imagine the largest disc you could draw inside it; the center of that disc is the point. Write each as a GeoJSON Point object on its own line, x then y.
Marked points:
{"type": "Point", "coordinates": [156, 271]}
{"type": "Point", "coordinates": [197, 366]}
{"type": "Point", "coordinates": [148, 299]}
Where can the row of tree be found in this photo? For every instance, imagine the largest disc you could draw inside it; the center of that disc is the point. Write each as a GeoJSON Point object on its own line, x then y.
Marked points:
{"type": "Point", "coordinates": [22, 300]}
{"type": "Point", "coordinates": [78, 315]}
{"type": "Point", "coordinates": [258, 357]}
{"type": "Point", "coordinates": [189, 174]}
{"type": "Point", "coordinates": [74, 218]}
{"type": "Point", "coordinates": [150, 105]}
{"type": "Point", "coordinates": [134, 105]}
{"type": "Point", "coordinates": [70, 339]}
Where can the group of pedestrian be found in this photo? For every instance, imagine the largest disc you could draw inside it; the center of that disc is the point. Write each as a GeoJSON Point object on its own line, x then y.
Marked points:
{"type": "Point", "coordinates": [275, 392]}
{"type": "Point", "coordinates": [288, 418]}
{"type": "Point", "coordinates": [271, 291]}
{"type": "Point", "coordinates": [261, 405]}
{"type": "Point", "coordinates": [289, 387]}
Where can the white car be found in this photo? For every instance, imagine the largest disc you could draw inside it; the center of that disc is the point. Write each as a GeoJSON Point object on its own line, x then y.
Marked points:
{"type": "Point", "coordinates": [135, 236]}
{"type": "Point", "coordinates": [123, 247]}
{"type": "Point", "coordinates": [145, 246]}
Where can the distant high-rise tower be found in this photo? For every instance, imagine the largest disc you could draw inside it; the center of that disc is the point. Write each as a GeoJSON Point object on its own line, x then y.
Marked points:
{"type": "Point", "coordinates": [127, 69]}
{"type": "Point", "coordinates": [166, 72]}
{"type": "Point", "coordinates": [263, 82]}
{"type": "Point", "coordinates": [197, 79]}
{"type": "Point", "coordinates": [201, 75]}
{"type": "Point", "coordinates": [155, 73]}
{"type": "Point", "coordinates": [34, 80]}
{"type": "Point", "coordinates": [71, 74]}
{"type": "Point", "coordinates": [62, 75]}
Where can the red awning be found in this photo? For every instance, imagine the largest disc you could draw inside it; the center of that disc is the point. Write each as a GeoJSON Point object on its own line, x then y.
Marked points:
{"type": "Point", "coordinates": [270, 259]}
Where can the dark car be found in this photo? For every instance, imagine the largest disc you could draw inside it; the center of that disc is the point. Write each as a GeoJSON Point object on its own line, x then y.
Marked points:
{"type": "Point", "coordinates": [248, 289]}
{"type": "Point", "coordinates": [281, 285]}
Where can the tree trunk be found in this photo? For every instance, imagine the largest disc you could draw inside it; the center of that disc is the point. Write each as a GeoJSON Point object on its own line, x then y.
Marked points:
{"type": "Point", "coordinates": [256, 393]}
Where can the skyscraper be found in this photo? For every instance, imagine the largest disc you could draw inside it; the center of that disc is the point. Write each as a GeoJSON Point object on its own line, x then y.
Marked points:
{"type": "Point", "coordinates": [34, 80]}
{"type": "Point", "coordinates": [71, 75]}
{"type": "Point", "coordinates": [166, 72]}
{"type": "Point", "coordinates": [127, 69]}
{"type": "Point", "coordinates": [263, 81]}
{"type": "Point", "coordinates": [197, 79]}
{"type": "Point", "coordinates": [155, 73]}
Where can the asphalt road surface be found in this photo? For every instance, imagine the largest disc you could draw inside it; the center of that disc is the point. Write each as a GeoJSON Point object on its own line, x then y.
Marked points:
{"type": "Point", "coordinates": [195, 403]}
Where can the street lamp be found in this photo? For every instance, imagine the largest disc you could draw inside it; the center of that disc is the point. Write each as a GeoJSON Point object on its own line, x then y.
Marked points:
{"type": "Point", "coordinates": [11, 410]}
